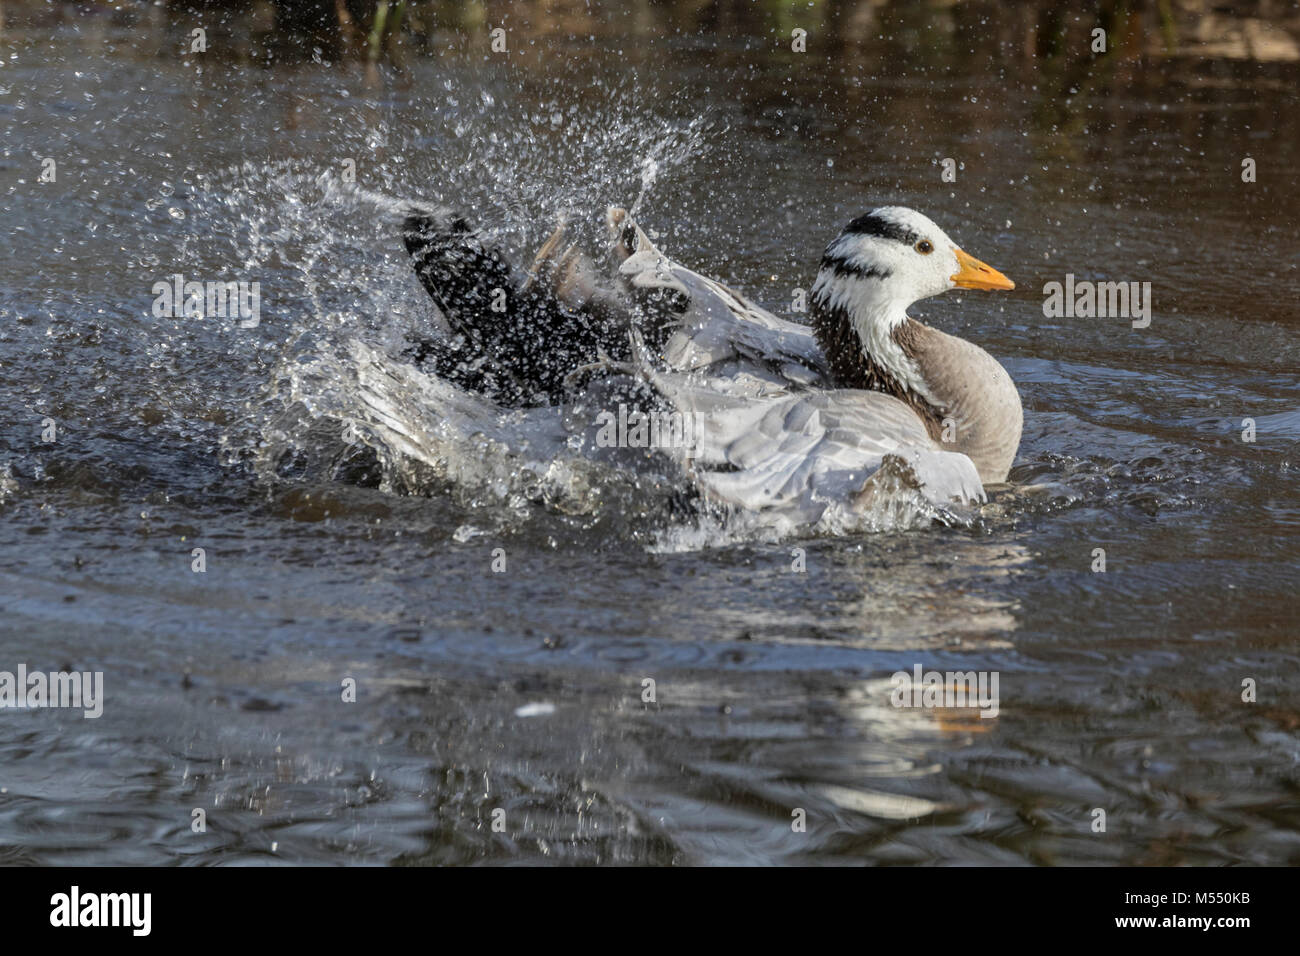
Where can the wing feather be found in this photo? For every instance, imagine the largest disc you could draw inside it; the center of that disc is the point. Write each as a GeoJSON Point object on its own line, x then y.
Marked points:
{"type": "Point", "coordinates": [802, 451]}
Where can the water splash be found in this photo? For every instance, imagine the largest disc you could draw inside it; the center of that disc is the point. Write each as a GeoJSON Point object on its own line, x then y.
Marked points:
{"type": "Point", "coordinates": [341, 404]}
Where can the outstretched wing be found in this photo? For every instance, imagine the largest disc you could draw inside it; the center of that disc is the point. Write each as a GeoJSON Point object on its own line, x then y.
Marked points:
{"type": "Point", "coordinates": [716, 329]}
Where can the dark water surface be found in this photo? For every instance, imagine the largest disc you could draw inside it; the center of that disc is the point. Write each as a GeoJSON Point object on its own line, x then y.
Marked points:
{"type": "Point", "coordinates": [1120, 691]}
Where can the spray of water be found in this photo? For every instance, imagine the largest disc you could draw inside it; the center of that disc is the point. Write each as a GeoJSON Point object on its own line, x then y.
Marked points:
{"type": "Point", "coordinates": [340, 402]}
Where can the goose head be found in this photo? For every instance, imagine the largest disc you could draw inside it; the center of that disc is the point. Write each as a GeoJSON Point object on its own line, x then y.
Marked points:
{"type": "Point", "coordinates": [879, 265]}
{"type": "Point", "coordinates": [893, 256]}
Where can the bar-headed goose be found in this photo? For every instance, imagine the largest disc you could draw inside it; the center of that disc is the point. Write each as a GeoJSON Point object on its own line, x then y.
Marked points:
{"type": "Point", "coordinates": [789, 420]}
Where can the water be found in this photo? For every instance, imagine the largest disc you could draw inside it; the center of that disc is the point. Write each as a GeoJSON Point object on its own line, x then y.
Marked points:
{"type": "Point", "coordinates": [1119, 691]}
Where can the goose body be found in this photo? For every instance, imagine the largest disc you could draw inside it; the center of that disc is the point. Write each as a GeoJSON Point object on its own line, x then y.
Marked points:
{"type": "Point", "coordinates": [793, 422]}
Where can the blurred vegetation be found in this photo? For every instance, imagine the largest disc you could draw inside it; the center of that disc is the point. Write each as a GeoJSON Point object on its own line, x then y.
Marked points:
{"type": "Point", "coordinates": [389, 30]}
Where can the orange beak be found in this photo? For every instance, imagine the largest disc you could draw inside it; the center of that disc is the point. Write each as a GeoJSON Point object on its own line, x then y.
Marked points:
{"type": "Point", "coordinates": [976, 275]}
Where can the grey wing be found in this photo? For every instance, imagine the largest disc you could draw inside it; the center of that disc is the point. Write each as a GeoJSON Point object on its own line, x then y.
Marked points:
{"type": "Point", "coordinates": [803, 450]}
{"type": "Point", "coordinates": [723, 328]}
{"type": "Point", "coordinates": [720, 330]}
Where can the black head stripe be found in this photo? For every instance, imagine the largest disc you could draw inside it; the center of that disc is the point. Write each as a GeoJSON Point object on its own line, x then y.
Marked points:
{"type": "Point", "coordinates": [852, 270]}
{"type": "Point", "coordinates": [873, 225]}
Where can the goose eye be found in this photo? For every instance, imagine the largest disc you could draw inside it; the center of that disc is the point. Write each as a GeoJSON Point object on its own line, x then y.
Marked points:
{"type": "Point", "coordinates": [925, 247]}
